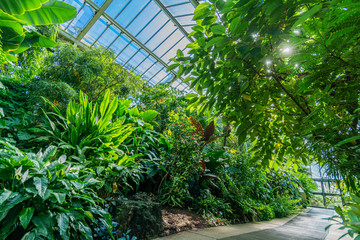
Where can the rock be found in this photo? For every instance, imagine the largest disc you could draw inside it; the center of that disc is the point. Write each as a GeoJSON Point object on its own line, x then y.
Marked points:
{"type": "Point", "coordinates": [143, 218]}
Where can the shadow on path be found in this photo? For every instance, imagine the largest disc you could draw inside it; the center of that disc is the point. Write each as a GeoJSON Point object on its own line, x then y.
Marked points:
{"type": "Point", "coordinates": [307, 226]}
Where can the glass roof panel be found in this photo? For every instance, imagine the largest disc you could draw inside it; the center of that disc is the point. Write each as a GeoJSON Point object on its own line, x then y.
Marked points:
{"type": "Point", "coordinates": [186, 20]}
{"type": "Point", "coordinates": [148, 13]}
{"type": "Point", "coordinates": [182, 9]}
{"type": "Point", "coordinates": [75, 3]}
{"type": "Point", "coordinates": [153, 27]}
{"type": "Point", "coordinates": [116, 7]}
{"type": "Point", "coordinates": [84, 16]}
{"type": "Point", "coordinates": [96, 30]}
{"type": "Point", "coordinates": [172, 2]}
{"type": "Point", "coordinates": [120, 43]}
{"type": "Point", "coordinates": [131, 12]}
{"type": "Point", "coordinates": [128, 52]}
{"type": "Point", "coordinates": [99, 2]}
{"type": "Point", "coordinates": [143, 34]}
{"type": "Point", "coordinates": [108, 36]}
{"type": "Point", "coordinates": [155, 41]}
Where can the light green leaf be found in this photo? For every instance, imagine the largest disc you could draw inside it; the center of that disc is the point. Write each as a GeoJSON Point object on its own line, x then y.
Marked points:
{"type": "Point", "coordinates": [149, 115]}
{"type": "Point", "coordinates": [20, 6]}
{"type": "Point", "coordinates": [60, 197]}
{"type": "Point", "coordinates": [51, 12]}
{"type": "Point", "coordinates": [63, 224]}
{"type": "Point", "coordinates": [202, 11]}
{"type": "Point", "coordinates": [29, 236]}
{"type": "Point", "coordinates": [214, 41]}
{"type": "Point", "coordinates": [41, 185]}
{"type": "Point", "coordinates": [348, 140]}
{"type": "Point", "coordinates": [134, 112]}
{"type": "Point", "coordinates": [218, 29]}
{"type": "Point", "coordinates": [171, 67]}
{"type": "Point", "coordinates": [306, 15]}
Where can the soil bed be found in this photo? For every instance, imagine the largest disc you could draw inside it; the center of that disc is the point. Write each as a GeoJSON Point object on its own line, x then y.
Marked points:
{"type": "Point", "coordinates": [178, 220]}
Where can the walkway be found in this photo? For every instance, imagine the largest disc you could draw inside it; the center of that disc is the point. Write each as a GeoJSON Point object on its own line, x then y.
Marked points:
{"type": "Point", "coordinates": [306, 226]}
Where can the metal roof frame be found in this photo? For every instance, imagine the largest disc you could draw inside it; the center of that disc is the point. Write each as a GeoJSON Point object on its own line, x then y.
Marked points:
{"type": "Point", "coordinates": [146, 53]}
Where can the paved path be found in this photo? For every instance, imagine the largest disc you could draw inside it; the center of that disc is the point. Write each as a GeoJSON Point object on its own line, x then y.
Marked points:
{"type": "Point", "coordinates": [306, 226]}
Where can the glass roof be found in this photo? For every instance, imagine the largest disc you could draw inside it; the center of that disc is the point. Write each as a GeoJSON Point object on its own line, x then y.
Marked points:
{"type": "Point", "coordinates": [143, 34]}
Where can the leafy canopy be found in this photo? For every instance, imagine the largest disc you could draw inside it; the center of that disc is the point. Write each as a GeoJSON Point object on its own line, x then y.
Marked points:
{"type": "Point", "coordinates": [17, 18]}
{"type": "Point", "coordinates": [285, 72]}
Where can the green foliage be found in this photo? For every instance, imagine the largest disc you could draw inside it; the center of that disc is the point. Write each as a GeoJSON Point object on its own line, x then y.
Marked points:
{"type": "Point", "coordinates": [93, 71]}
{"type": "Point", "coordinates": [16, 122]}
{"type": "Point", "coordinates": [181, 161]}
{"type": "Point", "coordinates": [164, 100]}
{"type": "Point", "coordinates": [17, 16]}
{"type": "Point", "coordinates": [285, 73]}
{"type": "Point", "coordinates": [59, 93]}
{"type": "Point", "coordinates": [93, 134]}
{"type": "Point", "coordinates": [47, 198]}
{"type": "Point", "coordinates": [283, 206]}
{"type": "Point", "coordinates": [264, 212]}
{"type": "Point", "coordinates": [87, 128]}
{"type": "Point", "coordinates": [349, 218]}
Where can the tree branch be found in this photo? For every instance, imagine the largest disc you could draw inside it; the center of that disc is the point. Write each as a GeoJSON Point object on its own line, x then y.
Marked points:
{"type": "Point", "coordinates": [290, 95]}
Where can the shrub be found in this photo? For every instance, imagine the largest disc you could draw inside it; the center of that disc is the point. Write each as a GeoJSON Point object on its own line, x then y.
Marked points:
{"type": "Point", "coordinates": [264, 212]}
{"type": "Point", "coordinates": [94, 71]}
{"type": "Point", "coordinates": [88, 129]}
{"type": "Point", "coordinates": [283, 206]}
{"type": "Point", "coordinates": [46, 198]}
{"type": "Point", "coordinates": [59, 93]}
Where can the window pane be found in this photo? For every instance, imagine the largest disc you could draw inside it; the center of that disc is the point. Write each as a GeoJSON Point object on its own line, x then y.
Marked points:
{"type": "Point", "coordinates": [130, 12]}
{"type": "Point", "coordinates": [116, 7]}
{"type": "Point", "coordinates": [153, 27]}
{"type": "Point", "coordinates": [95, 31]}
{"type": "Point", "coordinates": [144, 17]}
{"type": "Point", "coordinates": [119, 44]}
{"type": "Point", "coordinates": [108, 37]}
{"type": "Point", "coordinates": [81, 20]}
{"type": "Point", "coordinates": [182, 9]}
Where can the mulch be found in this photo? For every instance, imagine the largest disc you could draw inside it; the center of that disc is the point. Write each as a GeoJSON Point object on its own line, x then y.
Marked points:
{"type": "Point", "coordinates": [178, 220]}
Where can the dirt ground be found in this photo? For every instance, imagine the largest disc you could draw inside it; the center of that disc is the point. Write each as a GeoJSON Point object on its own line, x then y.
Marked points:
{"type": "Point", "coordinates": [177, 220]}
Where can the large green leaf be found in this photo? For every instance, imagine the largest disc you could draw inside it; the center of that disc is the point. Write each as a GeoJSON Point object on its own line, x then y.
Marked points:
{"type": "Point", "coordinates": [63, 224]}
{"type": "Point", "coordinates": [26, 216]}
{"type": "Point", "coordinates": [202, 11]}
{"type": "Point", "coordinates": [52, 12]}
{"type": "Point", "coordinates": [35, 39]}
{"type": "Point", "coordinates": [10, 199]}
{"type": "Point", "coordinates": [12, 34]}
{"type": "Point", "coordinates": [41, 185]}
{"type": "Point", "coordinates": [149, 115]}
{"type": "Point", "coordinates": [20, 6]}
{"type": "Point", "coordinates": [44, 224]}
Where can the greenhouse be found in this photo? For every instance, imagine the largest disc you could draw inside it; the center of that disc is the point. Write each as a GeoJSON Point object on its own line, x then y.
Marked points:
{"type": "Point", "coordinates": [174, 119]}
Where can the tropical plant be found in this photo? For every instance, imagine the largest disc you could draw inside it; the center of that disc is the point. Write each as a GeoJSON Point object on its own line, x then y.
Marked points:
{"type": "Point", "coordinates": [46, 198]}
{"type": "Point", "coordinates": [162, 98]}
{"type": "Point", "coordinates": [17, 18]}
{"type": "Point", "coordinates": [92, 70]}
{"type": "Point", "coordinates": [285, 73]}
{"type": "Point", "coordinates": [349, 218]}
{"type": "Point", "coordinates": [181, 161]}
{"type": "Point", "coordinates": [88, 128]}
{"type": "Point", "coordinates": [59, 93]}
{"type": "Point", "coordinates": [16, 121]}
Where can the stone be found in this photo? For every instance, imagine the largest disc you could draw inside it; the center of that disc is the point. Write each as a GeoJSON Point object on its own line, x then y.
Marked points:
{"type": "Point", "coordinates": [143, 218]}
